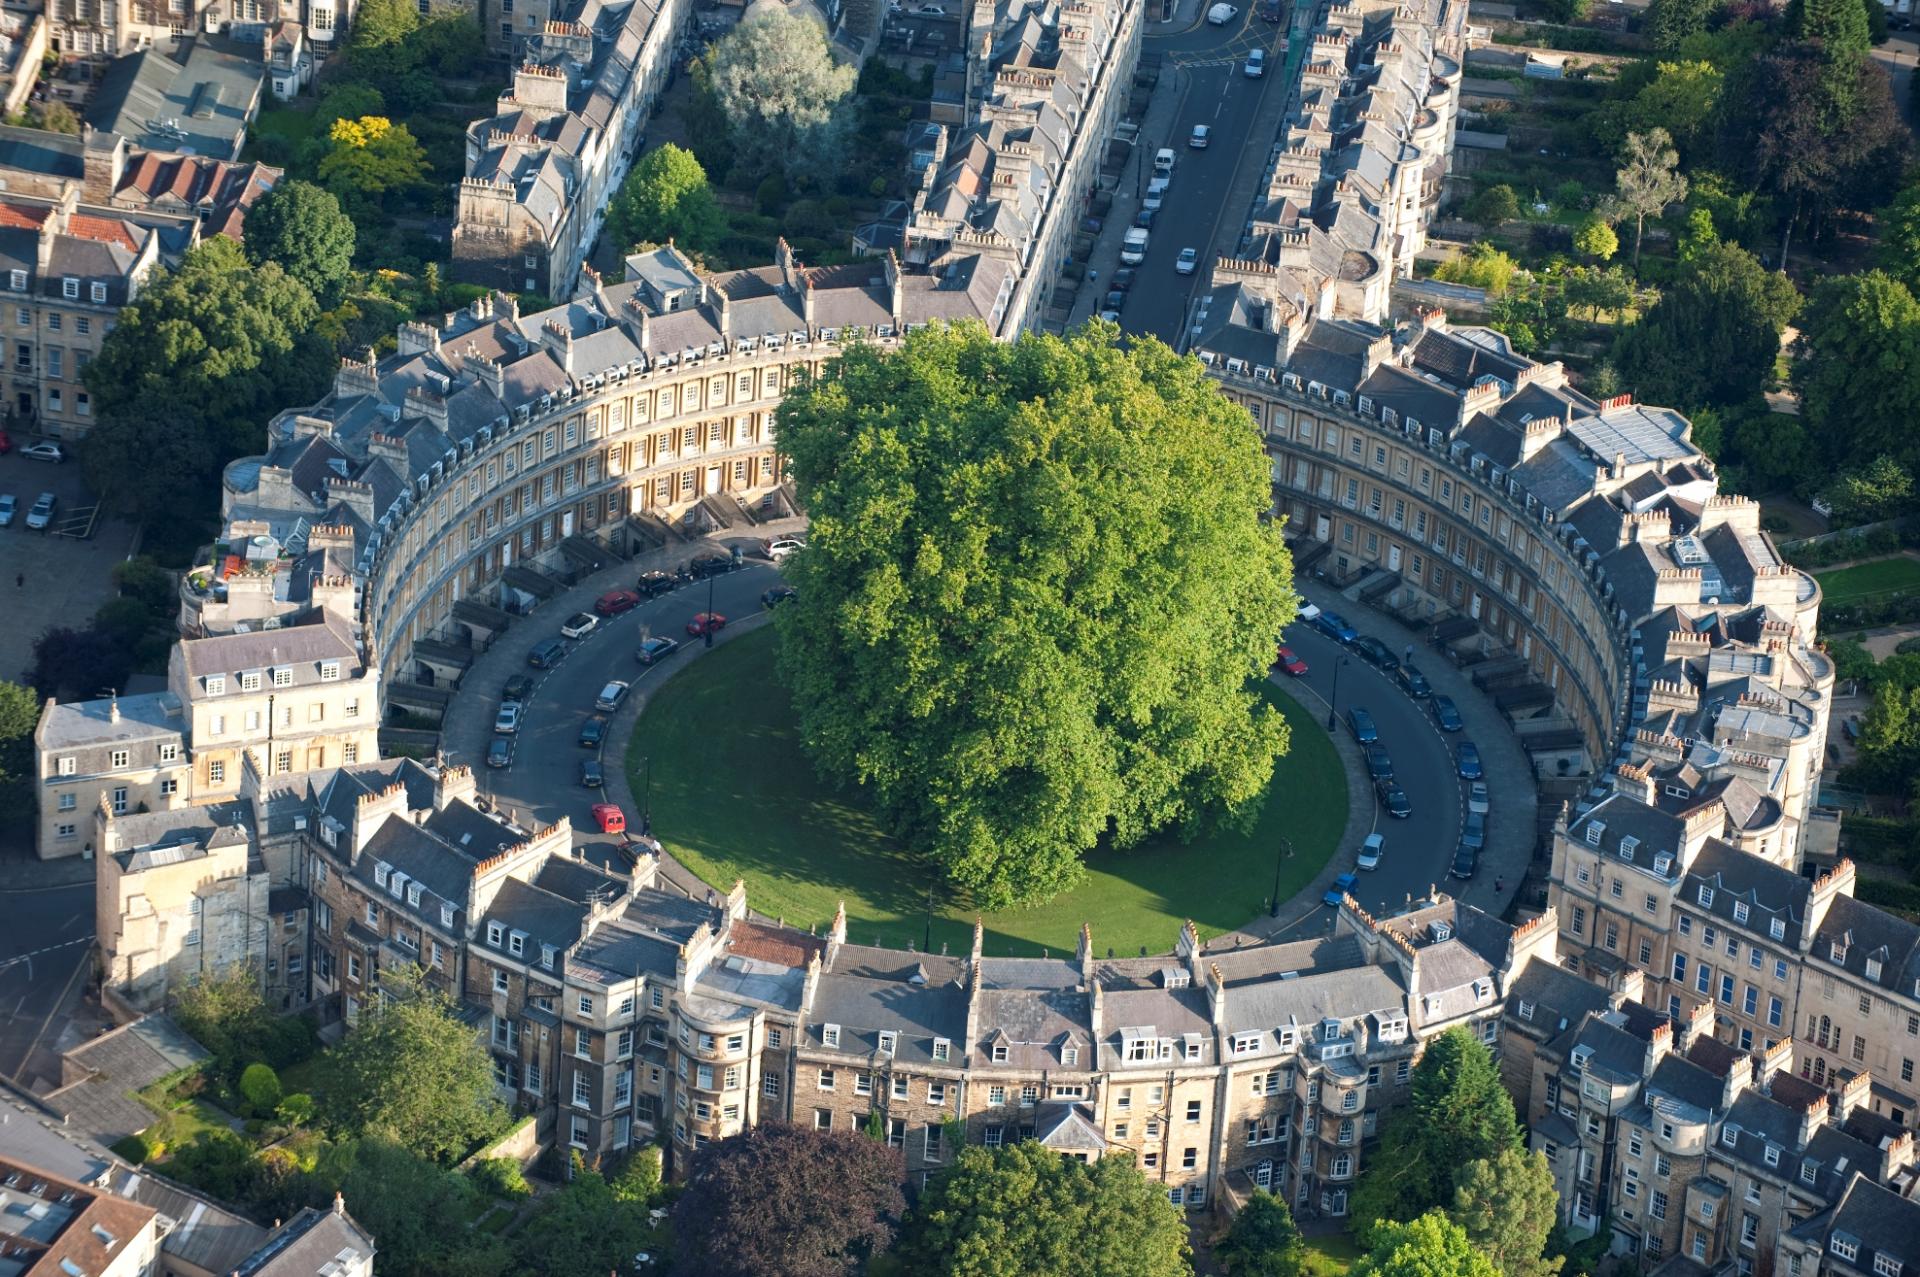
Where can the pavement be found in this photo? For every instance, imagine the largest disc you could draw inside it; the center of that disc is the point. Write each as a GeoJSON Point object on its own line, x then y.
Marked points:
{"type": "Point", "coordinates": [52, 580]}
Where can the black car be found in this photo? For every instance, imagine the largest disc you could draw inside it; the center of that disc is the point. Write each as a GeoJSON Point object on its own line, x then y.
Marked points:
{"type": "Point", "coordinates": [590, 774]}
{"type": "Point", "coordinates": [652, 585]}
{"type": "Point", "coordinates": [1376, 654]}
{"type": "Point", "coordinates": [546, 654]}
{"type": "Point", "coordinates": [1116, 298]}
{"type": "Point", "coordinates": [1446, 715]}
{"type": "Point", "coordinates": [776, 596]}
{"type": "Point", "coordinates": [592, 732]}
{"type": "Point", "coordinates": [1144, 218]}
{"type": "Point", "coordinates": [1124, 277]}
{"type": "Point", "coordinates": [1413, 681]}
{"type": "Point", "coordinates": [500, 753]}
{"type": "Point", "coordinates": [1393, 798]}
{"type": "Point", "coordinates": [1379, 762]}
{"type": "Point", "coordinates": [1473, 833]}
{"type": "Point", "coordinates": [518, 688]}
{"type": "Point", "coordinates": [1465, 861]}
{"type": "Point", "coordinates": [712, 565]}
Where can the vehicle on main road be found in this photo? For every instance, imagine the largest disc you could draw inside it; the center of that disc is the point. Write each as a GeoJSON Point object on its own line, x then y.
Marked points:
{"type": "Point", "coordinates": [614, 602]}
{"type": "Point", "coordinates": [1446, 715]}
{"type": "Point", "coordinates": [1465, 861]}
{"type": "Point", "coordinates": [1363, 729]}
{"type": "Point", "coordinates": [1341, 886]}
{"type": "Point", "coordinates": [1188, 259]}
{"type": "Point", "coordinates": [546, 654]}
{"type": "Point", "coordinates": [1393, 798]}
{"type": "Point", "coordinates": [1335, 627]}
{"type": "Point", "coordinates": [7, 507]}
{"type": "Point", "coordinates": [518, 688]}
{"type": "Point", "coordinates": [1371, 850]}
{"type": "Point", "coordinates": [1379, 762]}
{"type": "Point", "coordinates": [712, 565]}
{"type": "Point", "coordinates": [652, 585]}
{"type": "Point", "coordinates": [1221, 14]}
{"type": "Point", "coordinates": [1163, 160]}
{"type": "Point", "coordinates": [609, 818]}
{"type": "Point", "coordinates": [706, 623]}
{"type": "Point", "coordinates": [1287, 660]}
{"type": "Point", "coordinates": [780, 547]}
{"type": "Point", "coordinates": [1376, 654]}
{"type": "Point", "coordinates": [590, 774]}
{"type": "Point", "coordinates": [1470, 761]}
{"type": "Point", "coordinates": [592, 732]}
{"type": "Point", "coordinates": [1473, 830]}
{"type": "Point", "coordinates": [507, 721]}
{"type": "Point", "coordinates": [1198, 139]}
{"type": "Point", "coordinates": [44, 452]}
{"type": "Point", "coordinates": [42, 513]}
{"type": "Point", "coordinates": [1133, 248]}
{"type": "Point", "coordinates": [500, 753]}
{"type": "Point", "coordinates": [1477, 798]}
{"type": "Point", "coordinates": [1413, 682]}
{"type": "Point", "coordinates": [656, 649]}
{"type": "Point", "coordinates": [610, 696]}
{"type": "Point", "coordinates": [779, 594]}
{"type": "Point", "coordinates": [579, 625]}
{"type": "Point", "coordinates": [1256, 64]}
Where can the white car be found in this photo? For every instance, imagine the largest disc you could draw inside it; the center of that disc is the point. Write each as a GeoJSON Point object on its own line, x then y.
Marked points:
{"type": "Point", "coordinates": [1163, 161]}
{"type": "Point", "coordinates": [579, 625]}
{"type": "Point", "coordinates": [1189, 258]}
{"type": "Point", "coordinates": [1256, 64]}
{"type": "Point", "coordinates": [44, 452]}
{"type": "Point", "coordinates": [1371, 850]}
{"type": "Point", "coordinates": [1156, 192]}
{"type": "Point", "coordinates": [1221, 14]}
{"type": "Point", "coordinates": [1306, 611]}
{"type": "Point", "coordinates": [1477, 803]}
{"type": "Point", "coordinates": [1111, 316]}
{"type": "Point", "coordinates": [507, 721]}
{"type": "Point", "coordinates": [7, 507]}
{"type": "Point", "coordinates": [780, 547]}
{"type": "Point", "coordinates": [1201, 135]}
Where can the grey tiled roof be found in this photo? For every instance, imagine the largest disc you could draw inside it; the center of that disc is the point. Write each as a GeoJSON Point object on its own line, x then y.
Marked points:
{"type": "Point", "coordinates": [1881, 1221]}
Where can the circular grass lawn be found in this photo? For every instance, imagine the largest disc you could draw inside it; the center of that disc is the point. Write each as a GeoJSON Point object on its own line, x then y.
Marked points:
{"type": "Point", "coordinates": [734, 796]}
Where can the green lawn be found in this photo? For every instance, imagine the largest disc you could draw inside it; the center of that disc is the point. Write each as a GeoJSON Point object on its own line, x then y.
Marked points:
{"type": "Point", "coordinates": [734, 797]}
{"type": "Point", "coordinates": [1329, 1255]}
{"type": "Point", "coordinates": [1864, 580]}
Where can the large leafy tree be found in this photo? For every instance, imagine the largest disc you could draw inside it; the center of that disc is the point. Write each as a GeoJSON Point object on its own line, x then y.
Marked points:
{"type": "Point", "coordinates": [1025, 1211]}
{"type": "Point", "coordinates": [1859, 371]}
{"type": "Point", "coordinates": [787, 1199]}
{"type": "Point", "coordinates": [1839, 26]}
{"type": "Point", "coordinates": [1263, 1240]}
{"type": "Point", "coordinates": [369, 157]}
{"type": "Point", "coordinates": [1647, 180]}
{"type": "Point", "coordinates": [19, 715]}
{"type": "Point", "coordinates": [1035, 595]}
{"type": "Point", "coordinates": [301, 226]}
{"type": "Point", "coordinates": [1508, 1207]}
{"type": "Point", "coordinates": [586, 1227]}
{"type": "Point", "coordinates": [1899, 251]}
{"type": "Point", "coordinates": [666, 197]}
{"type": "Point", "coordinates": [413, 1071]}
{"type": "Point", "coordinates": [1670, 23]}
{"type": "Point", "coordinates": [785, 99]}
{"type": "Point", "coordinates": [413, 1208]}
{"type": "Point", "coordinates": [1429, 1246]}
{"type": "Point", "coordinates": [1712, 338]}
{"type": "Point", "coordinates": [191, 372]}
{"type": "Point", "coordinates": [1458, 1113]}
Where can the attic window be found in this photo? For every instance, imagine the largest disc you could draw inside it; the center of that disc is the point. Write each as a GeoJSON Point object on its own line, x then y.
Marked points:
{"type": "Point", "coordinates": [942, 1049]}
{"type": "Point", "coordinates": [1773, 1155]}
{"type": "Point", "coordinates": [282, 676]}
{"type": "Point", "coordinates": [546, 956]}
{"type": "Point", "coordinates": [1705, 896]}
{"type": "Point", "coordinates": [517, 943]}
{"type": "Point", "coordinates": [329, 671]}
{"type": "Point", "coordinates": [413, 893]}
{"type": "Point", "coordinates": [494, 933]}
{"type": "Point", "coordinates": [446, 916]}
{"type": "Point", "coordinates": [1595, 828]}
{"type": "Point", "coordinates": [250, 680]}
{"type": "Point", "coordinates": [1809, 1171]}
{"type": "Point", "coordinates": [1070, 1056]}
{"type": "Point", "coordinates": [830, 1034]}
{"type": "Point", "coordinates": [98, 292]}
{"type": "Point", "coordinates": [1526, 1009]}
{"type": "Point", "coordinates": [1740, 911]}
{"type": "Point", "coordinates": [1873, 968]}
{"type": "Point", "coordinates": [17, 281]}
{"type": "Point", "coordinates": [1578, 1060]}
{"type": "Point", "coordinates": [1730, 1135]}
{"type": "Point", "coordinates": [999, 1052]}
{"type": "Point", "coordinates": [1483, 990]}
{"type": "Point", "coordinates": [216, 685]}
{"type": "Point", "coordinates": [1777, 929]}
{"type": "Point", "coordinates": [1662, 864]}
{"type": "Point", "coordinates": [1837, 951]}
{"type": "Point", "coordinates": [888, 1041]}
{"type": "Point", "coordinates": [1627, 845]}
{"type": "Point", "coordinates": [70, 288]}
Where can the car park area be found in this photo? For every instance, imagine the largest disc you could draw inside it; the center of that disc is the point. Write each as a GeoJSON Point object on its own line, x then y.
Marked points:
{"type": "Point", "coordinates": [59, 575]}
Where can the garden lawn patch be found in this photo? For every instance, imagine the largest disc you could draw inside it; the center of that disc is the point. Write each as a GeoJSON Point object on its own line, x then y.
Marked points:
{"type": "Point", "coordinates": [734, 796]}
{"type": "Point", "coordinates": [1900, 574]}
{"type": "Point", "coordinates": [1330, 1255]}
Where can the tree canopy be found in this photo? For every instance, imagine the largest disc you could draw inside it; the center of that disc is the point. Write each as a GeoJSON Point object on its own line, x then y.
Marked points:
{"type": "Point", "coordinates": [788, 1199]}
{"type": "Point", "coordinates": [19, 716]}
{"type": "Point", "coordinates": [586, 1227]}
{"type": "Point", "coordinates": [1025, 1211]}
{"type": "Point", "coordinates": [666, 197]}
{"type": "Point", "coordinates": [1429, 1246]}
{"type": "Point", "coordinates": [369, 157]}
{"type": "Point", "coordinates": [1712, 338]}
{"type": "Point", "coordinates": [1035, 595]}
{"type": "Point", "coordinates": [301, 226]}
{"type": "Point", "coordinates": [1263, 1240]}
{"type": "Point", "coordinates": [775, 79]}
{"type": "Point", "coordinates": [1670, 22]}
{"type": "Point", "coordinates": [1596, 239]}
{"type": "Point", "coordinates": [413, 1071]}
{"type": "Point", "coordinates": [1859, 370]}
{"type": "Point", "coordinates": [1508, 1207]}
{"type": "Point", "coordinates": [1648, 180]}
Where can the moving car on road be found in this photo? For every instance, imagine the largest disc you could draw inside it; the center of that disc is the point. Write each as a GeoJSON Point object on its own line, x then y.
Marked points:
{"type": "Point", "coordinates": [1446, 715]}
{"type": "Point", "coordinates": [41, 515]}
{"type": "Point", "coordinates": [706, 623]}
{"type": "Point", "coordinates": [1201, 135]}
{"type": "Point", "coordinates": [44, 452]}
{"type": "Point", "coordinates": [1184, 264]}
{"type": "Point", "coordinates": [1335, 627]}
{"type": "Point", "coordinates": [1287, 660]}
{"type": "Point", "coordinates": [1256, 64]}
{"type": "Point", "coordinates": [1470, 761]}
{"type": "Point", "coordinates": [579, 625]}
{"type": "Point", "coordinates": [507, 721]}
{"type": "Point", "coordinates": [614, 602]}
{"type": "Point", "coordinates": [1363, 729]}
{"type": "Point", "coordinates": [656, 649]}
{"type": "Point", "coordinates": [1393, 798]}
{"type": "Point", "coordinates": [1371, 850]}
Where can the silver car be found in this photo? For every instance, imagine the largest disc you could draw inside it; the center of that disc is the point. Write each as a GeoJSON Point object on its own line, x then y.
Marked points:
{"type": "Point", "coordinates": [7, 506]}
{"type": "Point", "coordinates": [1477, 804]}
{"type": "Point", "coordinates": [41, 515]}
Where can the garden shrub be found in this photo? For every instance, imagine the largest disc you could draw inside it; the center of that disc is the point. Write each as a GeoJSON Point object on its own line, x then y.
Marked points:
{"type": "Point", "coordinates": [500, 1177]}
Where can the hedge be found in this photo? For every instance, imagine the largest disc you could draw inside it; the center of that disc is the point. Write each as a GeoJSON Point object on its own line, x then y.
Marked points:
{"type": "Point", "coordinates": [1903, 896]}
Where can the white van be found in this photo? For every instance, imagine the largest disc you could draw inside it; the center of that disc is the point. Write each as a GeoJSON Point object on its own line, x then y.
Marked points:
{"type": "Point", "coordinates": [610, 696]}
{"type": "Point", "coordinates": [1133, 249]}
{"type": "Point", "coordinates": [1221, 14]}
{"type": "Point", "coordinates": [1163, 161]}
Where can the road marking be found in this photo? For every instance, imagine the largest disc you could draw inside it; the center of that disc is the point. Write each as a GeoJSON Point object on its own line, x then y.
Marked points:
{"type": "Point", "coordinates": [46, 1024]}
{"type": "Point", "coordinates": [29, 957]}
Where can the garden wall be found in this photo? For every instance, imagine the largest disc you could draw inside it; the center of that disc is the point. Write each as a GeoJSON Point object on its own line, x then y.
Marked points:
{"type": "Point", "coordinates": [522, 1144]}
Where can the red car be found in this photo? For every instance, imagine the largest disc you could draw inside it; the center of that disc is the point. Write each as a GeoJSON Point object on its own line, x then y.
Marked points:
{"type": "Point", "coordinates": [610, 818]}
{"type": "Point", "coordinates": [1292, 664]}
{"type": "Point", "coordinates": [614, 602]}
{"type": "Point", "coordinates": [706, 623]}
{"type": "Point", "coordinates": [6, 443]}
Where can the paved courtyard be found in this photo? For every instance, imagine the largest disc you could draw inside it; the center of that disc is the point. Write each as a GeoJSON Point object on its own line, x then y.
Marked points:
{"type": "Point", "coordinates": [49, 579]}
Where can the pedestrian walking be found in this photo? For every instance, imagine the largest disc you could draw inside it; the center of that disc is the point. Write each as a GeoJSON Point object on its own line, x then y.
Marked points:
{"type": "Point", "coordinates": [1409, 656]}
{"type": "Point", "coordinates": [1499, 884]}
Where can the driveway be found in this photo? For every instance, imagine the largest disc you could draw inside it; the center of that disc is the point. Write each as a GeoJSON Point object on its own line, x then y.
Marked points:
{"type": "Point", "coordinates": [58, 577]}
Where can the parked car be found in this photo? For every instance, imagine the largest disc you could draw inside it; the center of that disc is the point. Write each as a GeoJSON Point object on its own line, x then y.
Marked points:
{"type": "Point", "coordinates": [500, 753]}
{"type": "Point", "coordinates": [712, 565]}
{"type": "Point", "coordinates": [1124, 277]}
{"type": "Point", "coordinates": [1470, 761]}
{"type": "Point", "coordinates": [592, 732]}
{"type": "Point", "coordinates": [1335, 627]}
{"type": "Point", "coordinates": [1201, 135]}
{"type": "Point", "coordinates": [1393, 798]}
{"type": "Point", "coordinates": [1110, 316]}
{"type": "Point", "coordinates": [609, 818]}
{"type": "Point", "coordinates": [706, 623]}
{"type": "Point", "coordinates": [1163, 160]}
{"type": "Point", "coordinates": [1363, 729]}
{"type": "Point", "coordinates": [1341, 886]}
{"type": "Point", "coordinates": [1256, 64]}
{"type": "Point", "coordinates": [1465, 861]}
{"type": "Point", "coordinates": [652, 585]}
{"type": "Point", "coordinates": [1143, 220]}
{"type": "Point", "coordinates": [1371, 850]}
{"type": "Point", "coordinates": [6, 443]}
{"type": "Point", "coordinates": [1379, 762]}
{"type": "Point", "coordinates": [590, 774]}
{"type": "Point", "coordinates": [614, 602]}
{"type": "Point", "coordinates": [1221, 14]}
{"type": "Point", "coordinates": [1188, 260]}
{"type": "Point", "coordinates": [656, 649]}
{"type": "Point", "coordinates": [579, 625]}
{"type": "Point", "coordinates": [1376, 654]}
{"type": "Point", "coordinates": [1477, 798]}
{"type": "Point", "coordinates": [7, 507]}
{"type": "Point", "coordinates": [1156, 193]}
{"type": "Point", "coordinates": [44, 452]}
{"type": "Point", "coordinates": [1413, 682]}
{"type": "Point", "coordinates": [546, 654]}
{"type": "Point", "coordinates": [41, 516]}
{"type": "Point", "coordinates": [610, 696]}
{"type": "Point", "coordinates": [1133, 248]}
{"type": "Point", "coordinates": [1286, 660]}
{"type": "Point", "coordinates": [1473, 830]}
{"type": "Point", "coordinates": [776, 596]}
{"type": "Point", "coordinates": [518, 688]}
{"type": "Point", "coordinates": [507, 720]}
{"type": "Point", "coordinates": [1446, 715]}
{"type": "Point", "coordinates": [780, 547]}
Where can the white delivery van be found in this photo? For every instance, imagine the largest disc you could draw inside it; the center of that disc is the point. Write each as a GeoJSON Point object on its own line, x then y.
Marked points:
{"type": "Point", "coordinates": [1133, 249]}
{"type": "Point", "coordinates": [1221, 14]}
{"type": "Point", "coordinates": [1163, 160]}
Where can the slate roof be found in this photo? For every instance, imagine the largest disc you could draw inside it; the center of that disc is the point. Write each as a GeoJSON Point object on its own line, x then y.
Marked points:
{"type": "Point", "coordinates": [152, 716]}
{"type": "Point", "coordinates": [1879, 1220]}
{"type": "Point", "coordinates": [205, 97]}
{"type": "Point", "coordinates": [864, 1006]}
{"type": "Point", "coordinates": [306, 1244]}
{"type": "Point", "coordinates": [1729, 878]}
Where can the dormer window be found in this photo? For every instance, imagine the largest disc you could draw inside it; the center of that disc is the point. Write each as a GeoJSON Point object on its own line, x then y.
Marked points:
{"type": "Point", "coordinates": [999, 1052]}
{"type": "Point", "coordinates": [98, 292]}
{"type": "Point", "coordinates": [1329, 1030]}
{"type": "Point", "coordinates": [1483, 990]}
{"type": "Point", "coordinates": [70, 288]}
{"type": "Point", "coordinates": [250, 680]}
{"type": "Point", "coordinates": [1777, 929]}
{"type": "Point", "coordinates": [1070, 1057]}
{"type": "Point", "coordinates": [17, 281]}
{"type": "Point", "coordinates": [517, 943]}
{"type": "Point", "coordinates": [413, 894]}
{"type": "Point", "coordinates": [1663, 864]}
{"type": "Point", "coordinates": [888, 1041]}
{"type": "Point", "coordinates": [1739, 911]}
{"type": "Point", "coordinates": [1526, 1009]}
{"type": "Point", "coordinates": [1730, 1135]}
{"type": "Point", "coordinates": [1578, 1060]}
{"type": "Point", "coordinates": [1773, 1155]}
{"type": "Point", "coordinates": [283, 677]}
{"type": "Point", "coordinates": [446, 916]}
{"type": "Point", "coordinates": [1705, 896]}
{"type": "Point", "coordinates": [547, 955]}
{"type": "Point", "coordinates": [942, 1050]}
{"type": "Point", "coordinates": [1844, 1246]}
{"type": "Point", "coordinates": [1809, 1171]}
{"type": "Point", "coordinates": [329, 671]}
{"type": "Point", "coordinates": [216, 685]}
{"type": "Point", "coordinates": [1627, 846]}
{"type": "Point", "coordinates": [380, 874]}
{"type": "Point", "coordinates": [1837, 951]}
{"type": "Point", "coordinates": [495, 933]}
{"type": "Point", "coordinates": [830, 1034]}
{"type": "Point", "coordinates": [1595, 828]}
{"type": "Point", "coordinates": [1885, 1265]}
{"type": "Point", "coordinates": [1873, 968]}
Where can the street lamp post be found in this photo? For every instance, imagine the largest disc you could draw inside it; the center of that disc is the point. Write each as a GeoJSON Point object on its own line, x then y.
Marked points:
{"type": "Point", "coordinates": [708, 627]}
{"type": "Point", "coordinates": [1333, 701]}
{"type": "Point", "coordinates": [646, 811]}
{"type": "Point", "coordinates": [1285, 854]}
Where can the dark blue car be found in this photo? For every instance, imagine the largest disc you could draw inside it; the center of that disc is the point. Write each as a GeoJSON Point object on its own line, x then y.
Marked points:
{"type": "Point", "coordinates": [1335, 626]}
{"type": "Point", "coordinates": [1363, 729]}
{"type": "Point", "coordinates": [1445, 713]}
{"type": "Point", "coordinates": [1470, 761]}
